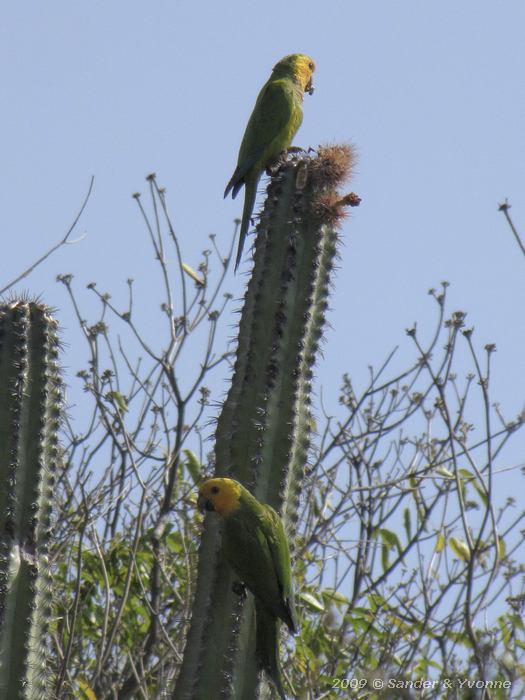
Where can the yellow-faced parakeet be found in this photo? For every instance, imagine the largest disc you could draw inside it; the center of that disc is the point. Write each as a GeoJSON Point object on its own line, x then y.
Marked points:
{"type": "Point", "coordinates": [277, 115]}
{"type": "Point", "coordinates": [255, 545]}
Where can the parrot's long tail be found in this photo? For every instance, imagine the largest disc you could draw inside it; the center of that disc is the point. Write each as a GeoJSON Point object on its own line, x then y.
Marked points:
{"type": "Point", "coordinates": [250, 193]}
{"type": "Point", "coordinates": [267, 649]}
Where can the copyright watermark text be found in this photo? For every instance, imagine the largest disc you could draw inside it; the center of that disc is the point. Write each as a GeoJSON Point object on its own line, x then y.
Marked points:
{"type": "Point", "coordinates": [418, 684]}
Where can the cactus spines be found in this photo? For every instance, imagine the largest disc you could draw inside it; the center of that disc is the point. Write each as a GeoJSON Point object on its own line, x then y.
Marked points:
{"type": "Point", "coordinates": [263, 431]}
{"type": "Point", "coordinates": [30, 401]}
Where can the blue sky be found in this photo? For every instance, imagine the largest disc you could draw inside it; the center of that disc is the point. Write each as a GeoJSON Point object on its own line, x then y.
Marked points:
{"type": "Point", "coordinates": [431, 95]}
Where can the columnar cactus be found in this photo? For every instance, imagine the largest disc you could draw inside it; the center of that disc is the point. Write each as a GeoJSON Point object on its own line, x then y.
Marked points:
{"type": "Point", "coordinates": [262, 436]}
{"type": "Point", "coordinates": [30, 400]}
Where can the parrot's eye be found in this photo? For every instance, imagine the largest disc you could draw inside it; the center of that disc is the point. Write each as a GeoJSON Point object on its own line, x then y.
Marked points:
{"type": "Point", "coordinates": [215, 489]}
{"type": "Point", "coordinates": [311, 65]}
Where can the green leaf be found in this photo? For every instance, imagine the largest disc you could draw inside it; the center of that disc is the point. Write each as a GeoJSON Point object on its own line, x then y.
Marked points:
{"type": "Point", "coordinates": [312, 602]}
{"type": "Point", "coordinates": [334, 597]}
{"type": "Point", "coordinates": [445, 473]}
{"type": "Point", "coordinates": [440, 544]}
{"type": "Point", "coordinates": [193, 466]}
{"type": "Point", "coordinates": [459, 547]}
{"type": "Point", "coordinates": [481, 491]}
{"type": "Point", "coordinates": [407, 523]}
{"type": "Point", "coordinates": [87, 692]}
{"type": "Point", "coordinates": [119, 400]}
{"type": "Point", "coordinates": [194, 276]}
{"type": "Point", "coordinates": [385, 557]}
{"type": "Point", "coordinates": [505, 630]}
{"type": "Point", "coordinates": [376, 601]}
{"type": "Point", "coordinates": [517, 622]}
{"type": "Point", "coordinates": [389, 538]}
{"type": "Point", "coordinates": [173, 542]}
{"type": "Point", "coordinates": [413, 482]}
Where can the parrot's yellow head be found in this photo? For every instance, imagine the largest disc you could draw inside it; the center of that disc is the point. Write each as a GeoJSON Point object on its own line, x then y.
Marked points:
{"type": "Point", "coordinates": [219, 495]}
{"type": "Point", "coordinates": [300, 66]}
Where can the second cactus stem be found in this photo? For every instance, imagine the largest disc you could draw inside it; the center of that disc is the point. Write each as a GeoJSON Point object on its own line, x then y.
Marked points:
{"type": "Point", "coordinates": [30, 403]}
{"type": "Point", "coordinates": [263, 431]}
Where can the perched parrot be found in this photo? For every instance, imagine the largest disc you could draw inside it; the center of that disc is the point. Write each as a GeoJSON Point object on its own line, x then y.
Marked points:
{"type": "Point", "coordinates": [275, 119]}
{"type": "Point", "coordinates": [255, 545]}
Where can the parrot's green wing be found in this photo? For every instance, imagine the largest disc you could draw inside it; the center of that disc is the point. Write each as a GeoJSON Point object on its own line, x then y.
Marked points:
{"type": "Point", "coordinates": [256, 547]}
{"type": "Point", "coordinates": [280, 555]}
{"type": "Point", "coordinates": [270, 129]}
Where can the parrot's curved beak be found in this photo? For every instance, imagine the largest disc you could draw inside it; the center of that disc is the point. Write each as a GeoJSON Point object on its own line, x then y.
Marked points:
{"type": "Point", "coordinates": [309, 87]}
{"type": "Point", "coordinates": [203, 504]}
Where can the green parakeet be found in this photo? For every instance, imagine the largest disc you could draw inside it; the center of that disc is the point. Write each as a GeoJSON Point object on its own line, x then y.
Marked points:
{"type": "Point", "coordinates": [255, 545]}
{"type": "Point", "coordinates": [275, 119]}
